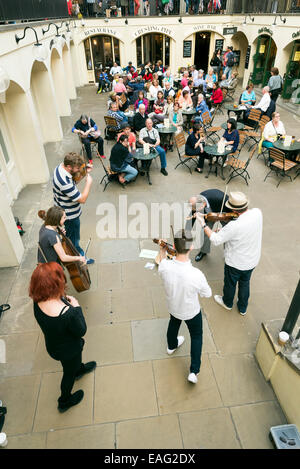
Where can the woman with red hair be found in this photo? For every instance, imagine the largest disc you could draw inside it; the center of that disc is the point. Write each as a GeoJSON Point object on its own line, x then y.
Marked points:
{"type": "Point", "coordinates": [63, 325]}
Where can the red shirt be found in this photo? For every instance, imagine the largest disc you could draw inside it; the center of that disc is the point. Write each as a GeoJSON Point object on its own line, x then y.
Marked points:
{"type": "Point", "coordinates": [148, 77]}
{"type": "Point", "coordinates": [217, 96]}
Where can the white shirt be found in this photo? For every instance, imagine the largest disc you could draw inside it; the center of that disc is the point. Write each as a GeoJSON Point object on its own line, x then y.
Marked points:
{"type": "Point", "coordinates": [264, 103]}
{"type": "Point", "coordinates": [271, 131]}
{"type": "Point", "coordinates": [242, 238]}
{"type": "Point", "coordinates": [115, 70]}
{"type": "Point", "coordinates": [153, 90]}
{"type": "Point", "coordinates": [183, 283]}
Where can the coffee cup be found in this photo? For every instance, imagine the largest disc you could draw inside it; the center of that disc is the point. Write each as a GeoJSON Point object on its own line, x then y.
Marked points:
{"type": "Point", "coordinates": [283, 338]}
{"type": "Point", "coordinates": [3, 440]}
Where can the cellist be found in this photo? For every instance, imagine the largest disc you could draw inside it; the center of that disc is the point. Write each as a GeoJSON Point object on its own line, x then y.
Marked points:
{"type": "Point", "coordinates": [69, 198]}
{"type": "Point", "coordinates": [50, 246]}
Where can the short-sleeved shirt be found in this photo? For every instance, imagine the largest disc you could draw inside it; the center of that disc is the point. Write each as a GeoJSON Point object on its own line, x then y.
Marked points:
{"type": "Point", "coordinates": [149, 133]}
{"type": "Point", "coordinates": [131, 138]}
{"type": "Point", "coordinates": [47, 239]}
{"type": "Point", "coordinates": [66, 193]}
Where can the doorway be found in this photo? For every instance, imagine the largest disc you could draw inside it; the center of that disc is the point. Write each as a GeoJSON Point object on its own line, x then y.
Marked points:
{"type": "Point", "coordinates": [153, 47]}
{"type": "Point", "coordinates": [264, 59]}
{"type": "Point", "coordinates": [202, 44]}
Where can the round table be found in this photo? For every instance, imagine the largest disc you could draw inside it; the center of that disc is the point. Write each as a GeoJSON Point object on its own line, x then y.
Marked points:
{"type": "Point", "coordinates": [239, 126]}
{"type": "Point", "coordinates": [230, 108]}
{"type": "Point", "coordinates": [146, 160]}
{"type": "Point", "coordinates": [168, 131]}
{"type": "Point", "coordinates": [294, 147]}
{"type": "Point", "coordinates": [212, 150]}
{"type": "Point", "coordinates": [188, 113]}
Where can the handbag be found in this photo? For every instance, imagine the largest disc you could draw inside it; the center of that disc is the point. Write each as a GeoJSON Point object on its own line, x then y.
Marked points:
{"type": "Point", "coordinates": [94, 133]}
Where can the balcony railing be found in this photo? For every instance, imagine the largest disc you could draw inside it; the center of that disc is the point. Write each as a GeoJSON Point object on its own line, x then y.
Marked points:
{"type": "Point", "coordinates": [30, 10]}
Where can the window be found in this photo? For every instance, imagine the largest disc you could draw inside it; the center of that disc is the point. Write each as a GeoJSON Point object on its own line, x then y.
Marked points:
{"type": "Point", "coordinates": [88, 54]}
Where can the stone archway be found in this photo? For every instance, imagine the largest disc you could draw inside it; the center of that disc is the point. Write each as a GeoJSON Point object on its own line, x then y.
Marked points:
{"type": "Point", "coordinates": [60, 83]}
{"type": "Point", "coordinates": [66, 58]}
{"type": "Point", "coordinates": [240, 43]}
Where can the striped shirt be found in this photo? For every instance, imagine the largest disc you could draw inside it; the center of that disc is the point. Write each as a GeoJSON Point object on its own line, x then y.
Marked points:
{"type": "Point", "coordinates": [65, 193]}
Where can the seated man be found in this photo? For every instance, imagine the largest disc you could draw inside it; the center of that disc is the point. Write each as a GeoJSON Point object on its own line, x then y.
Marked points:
{"type": "Point", "coordinates": [129, 68]}
{"type": "Point", "coordinates": [120, 160]}
{"type": "Point", "coordinates": [88, 131]}
{"type": "Point", "coordinates": [150, 135]}
{"type": "Point", "coordinates": [201, 108]}
{"type": "Point", "coordinates": [118, 115]}
{"type": "Point", "coordinates": [139, 119]}
{"type": "Point", "coordinates": [104, 83]}
{"type": "Point", "coordinates": [168, 90]}
{"type": "Point", "coordinates": [263, 104]}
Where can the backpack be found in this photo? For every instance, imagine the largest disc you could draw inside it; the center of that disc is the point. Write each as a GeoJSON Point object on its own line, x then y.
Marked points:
{"type": "Point", "coordinates": [230, 61]}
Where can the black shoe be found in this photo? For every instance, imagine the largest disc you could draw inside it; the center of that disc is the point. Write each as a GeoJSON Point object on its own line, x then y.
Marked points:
{"type": "Point", "coordinates": [142, 173]}
{"type": "Point", "coordinates": [87, 368]}
{"type": "Point", "coordinates": [74, 400]}
{"type": "Point", "coordinates": [164, 172]}
{"type": "Point", "coordinates": [199, 256]}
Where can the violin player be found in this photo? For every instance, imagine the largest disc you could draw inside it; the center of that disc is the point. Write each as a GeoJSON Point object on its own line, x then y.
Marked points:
{"type": "Point", "coordinates": [50, 246]}
{"type": "Point", "coordinates": [242, 238]}
{"type": "Point", "coordinates": [69, 198]}
{"type": "Point", "coordinates": [211, 200]}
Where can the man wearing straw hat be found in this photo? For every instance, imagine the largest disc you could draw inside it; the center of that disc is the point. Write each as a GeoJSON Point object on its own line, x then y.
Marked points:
{"type": "Point", "coordinates": [242, 238]}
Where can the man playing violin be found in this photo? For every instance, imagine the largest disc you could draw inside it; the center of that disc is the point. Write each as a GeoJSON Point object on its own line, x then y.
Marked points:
{"type": "Point", "coordinates": [69, 198]}
{"type": "Point", "coordinates": [242, 238]}
{"type": "Point", "coordinates": [211, 200]}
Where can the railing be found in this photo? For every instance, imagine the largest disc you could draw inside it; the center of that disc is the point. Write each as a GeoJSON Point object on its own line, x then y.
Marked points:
{"type": "Point", "coordinates": [30, 10]}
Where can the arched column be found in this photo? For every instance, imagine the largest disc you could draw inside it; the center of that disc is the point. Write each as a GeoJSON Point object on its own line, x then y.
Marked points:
{"type": "Point", "coordinates": [70, 86]}
{"type": "Point", "coordinates": [11, 246]}
{"type": "Point", "coordinates": [74, 62]}
{"type": "Point", "coordinates": [59, 80]}
{"type": "Point", "coordinates": [45, 103]}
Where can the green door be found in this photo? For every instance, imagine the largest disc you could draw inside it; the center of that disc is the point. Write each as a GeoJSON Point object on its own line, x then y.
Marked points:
{"type": "Point", "coordinates": [292, 71]}
{"type": "Point", "coordinates": [263, 60]}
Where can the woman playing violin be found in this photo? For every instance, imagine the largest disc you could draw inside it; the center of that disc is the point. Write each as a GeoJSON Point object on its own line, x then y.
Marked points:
{"type": "Point", "coordinates": [50, 247]}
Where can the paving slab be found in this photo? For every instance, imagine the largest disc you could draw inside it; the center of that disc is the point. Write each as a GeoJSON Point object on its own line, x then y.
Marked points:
{"type": "Point", "coordinates": [47, 415]}
{"type": "Point", "coordinates": [253, 423]}
{"type": "Point", "coordinates": [129, 304]}
{"type": "Point", "coordinates": [124, 391]}
{"type": "Point", "coordinates": [134, 274]}
{"type": "Point", "coordinates": [176, 394]}
{"type": "Point", "coordinates": [109, 276]}
{"type": "Point", "coordinates": [20, 352]}
{"type": "Point", "coordinates": [20, 317]}
{"type": "Point", "coordinates": [240, 380]}
{"type": "Point", "coordinates": [119, 250]}
{"type": "Point", "coordinates": [160, 307]}
{"type": "Point", "coordinates": [96, 306]}
{"type": "Point", "coordinates": [161, 432]}
{"type": "Point", "coordinates": [90, 437]}
{"type": "Point", "coordinates": [28, 441]}
{"type": "Point", "coordinates": [209, 429]}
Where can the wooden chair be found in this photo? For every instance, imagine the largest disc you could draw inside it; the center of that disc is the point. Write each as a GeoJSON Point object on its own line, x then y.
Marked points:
{"type": "Point", "coordinates": [183, 158]}
{"type": "Point", "coordinates": [109, 175]}
{"type": "Point", "coordinates": [280, 164]}
{"type": "Point", "coordinates": [297, 160]}
{"type": "Point", "coordinates": [242, 141]}
{"type": "Point", "coordinates": [111, 127]}
{"type": "Point", "coordinates": [254, 118]}
{"type": "Point", "coordinates": [239, 167]}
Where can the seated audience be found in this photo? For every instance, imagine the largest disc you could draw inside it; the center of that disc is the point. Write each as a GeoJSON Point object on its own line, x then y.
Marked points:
{"type": "Point", "coordinates": [150, 135]}
{"type": "Point", "coordinates": [263, 104]}
{"type": "Point", "coordinates": [248, 97]}
{"type": "Point", "coordinates": [141, 100]}
{"type": "Point", "coordinates": [168, 90]}
{"type": "Point", "coordinates": [201, 108]}
{"type": "Point", "coordinates": [115, 69]}
{"type": "Point", "coordinates": [88, 131]}
{"type": "Point", "coordinates": [194, 146]}
{"type": "Point", "coordinates": [272, 131]}
{"type": "Point", "coordinates": [216, 97]}
{"type": "Point", "coordinates": [120, 160]}
{"type": "Point", "coordinates": [210, 78]}
{"type": "Point", "coordinates": [154, 88]}
{"type": "Point", "coordinates": [185, 101]}
{"type": "Point", "coordinates": [139, 119]}
{"type": "Point", "coordinates": [126, 130]}
{"type": "Point", "coordinates": [200, 81]}
{"type": "Point", "coordinates": [116, 114]}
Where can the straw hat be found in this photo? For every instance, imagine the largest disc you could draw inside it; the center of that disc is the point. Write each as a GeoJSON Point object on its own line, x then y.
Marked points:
{"type": "Point", "coordinates": [237, 201]}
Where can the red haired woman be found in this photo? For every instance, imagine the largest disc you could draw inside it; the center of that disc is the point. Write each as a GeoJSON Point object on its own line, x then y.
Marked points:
{"type": "Point", "coordinates": [63, 325]}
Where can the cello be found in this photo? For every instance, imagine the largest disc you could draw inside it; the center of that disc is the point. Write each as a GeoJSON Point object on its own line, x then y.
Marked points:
{"type": "Point", "coordinates": [78, 271]}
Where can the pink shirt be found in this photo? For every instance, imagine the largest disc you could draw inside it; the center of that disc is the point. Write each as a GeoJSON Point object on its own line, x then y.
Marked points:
{"type": "Point", "coordinates": [184, 82]}
{"type": "Point", "coordinates": [120, 88]}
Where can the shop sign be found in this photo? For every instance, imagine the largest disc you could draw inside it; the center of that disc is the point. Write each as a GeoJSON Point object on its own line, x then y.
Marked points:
{"type": "Point", "coordinates": [297, 34]}
{"type": "Point", "coordinates": [103, 30]}
{"type": "Point", "coordinates": [227, 31]}
{"type": "Point", "coordinates": [153, 29]}
{"type": "Point", "coordinates": [265, 30]}
{"type": "Point", "coordinates": [209, 27]}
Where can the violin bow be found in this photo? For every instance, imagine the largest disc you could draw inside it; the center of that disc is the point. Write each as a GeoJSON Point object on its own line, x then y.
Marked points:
{"type": "Point", "coordinates": [87, 246]}
{"type": "Point", "coordinates": [223, 202]}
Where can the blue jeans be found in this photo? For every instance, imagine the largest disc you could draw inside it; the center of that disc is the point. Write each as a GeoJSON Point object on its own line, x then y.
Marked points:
{"type": "Point", "coordinates": [162, 156]}
{"type": "Point", "coordinates": [227, 72]}
{"type": "Point", "coordinates": [195, 328]}
{"type": "Point", "coordinates": [187, 4]}
{"type": "Point", "coordinates": [232, 276]}
{"type": "Point", "coordinates": [73, 232]}
{"type": "Point", "coordinates": [130, 172]}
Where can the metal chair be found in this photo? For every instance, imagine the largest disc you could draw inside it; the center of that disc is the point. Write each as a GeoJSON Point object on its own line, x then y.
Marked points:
{"type": "Point", "coordinates": [109, 175]}
{"type": "Point", "coordinates": [111, 128]}
{"type": "Point", "coordinates": [280, 164]}
{"type": "Point", "coordinates": [239, 167]}
{"type": "Point", "coordinates": [183, 158]}
{"type": "Point", "coordinates": [94, 148]}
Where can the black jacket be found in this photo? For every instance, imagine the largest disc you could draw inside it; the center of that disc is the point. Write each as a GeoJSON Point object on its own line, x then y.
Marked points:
{"type": "Point", "coordinates": [119, 155]}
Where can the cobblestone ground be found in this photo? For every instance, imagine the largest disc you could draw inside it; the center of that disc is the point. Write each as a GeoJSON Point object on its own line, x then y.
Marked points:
{"type": "Point", "coordinates": [139, 397]}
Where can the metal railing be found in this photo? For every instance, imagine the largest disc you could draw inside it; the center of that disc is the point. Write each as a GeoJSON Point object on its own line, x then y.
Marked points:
{"type": "Point", "coordinates": [30, 10]}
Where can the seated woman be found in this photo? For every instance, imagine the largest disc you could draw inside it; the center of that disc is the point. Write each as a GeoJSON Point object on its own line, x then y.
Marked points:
{"type": "Point", "coordinates": [216, 97]}
{"type": "Point", "coordinates": [194, 146]}
{"type": "Point", "coordinates": [50, 248]}
{"type": "Point", "coordinates": [210, 78]}
{"type": "Point", "coordinates": [141, 100]}
{"type": "Point", "coordinates": [231, 135]}
{"type": "Point", "coordinates": [120, 160]}
{"type": "Point", "coordinates": [158, 108]}
{"type": "Point", "coordinates": [185, 101]}
{"type": "Point", "coordinates": [148, 76]}
{"type": "Point", "coordinates": [248, 97]}
{"type": "Point", "coordinates": [154, 88]}
{"type": "Point", "coordinates": [272, 131]}
{"type": "Point", "coordinates": [168, 108]}
{"type": "Point", "coordinates": [201, 108]}
{"type": "Point", "coordinates": [176, 118]}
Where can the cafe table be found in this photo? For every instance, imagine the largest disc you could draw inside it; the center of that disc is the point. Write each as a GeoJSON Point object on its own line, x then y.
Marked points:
{"type": "Point", "coordinates": [166, 133]}
{"type": "Point", "coordinates": [212, 150]}
{"type": "Point", "coordinates": [146, 160]}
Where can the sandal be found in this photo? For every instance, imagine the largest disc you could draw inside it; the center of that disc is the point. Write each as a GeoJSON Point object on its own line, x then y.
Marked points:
{"type": "Point", "coordinates": [198, 170]}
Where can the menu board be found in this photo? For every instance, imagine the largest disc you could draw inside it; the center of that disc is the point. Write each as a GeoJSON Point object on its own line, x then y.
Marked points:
{"type": "Point", "coordinates": [237, 57]}
{"type": "Point", "coordinates": [219, 44]}
{"type": "Point", "coordinates": [247, 60]}
{"type": "Point", "coordinates": [187, 48]}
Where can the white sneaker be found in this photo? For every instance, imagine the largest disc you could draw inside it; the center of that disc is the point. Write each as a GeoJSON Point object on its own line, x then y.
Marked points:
{"type": "Point", "coordinates": [192, 377]}
{"type": "Point", "coordinates": [180, 339]}
{"type": "Point", "coordinates": [218, 299]}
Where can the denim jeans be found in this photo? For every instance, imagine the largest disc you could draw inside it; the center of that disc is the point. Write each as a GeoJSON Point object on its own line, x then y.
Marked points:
{"type": "Point", "coordinates": [232, 276]}
{"type": "Point", "coordinates": [195, 329]}
{"type": "Point", "coordinates": [73, 232]}
{"type": "Point", "coordinates": [130, 172]}
{"type": "Point", "coordinates": [227, 72]}
{"type": "Point", "coordinates": [162, 156]}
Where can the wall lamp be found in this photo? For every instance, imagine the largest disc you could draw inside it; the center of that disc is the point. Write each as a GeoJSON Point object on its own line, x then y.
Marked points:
{"type": "Point", "coordinates": [39, 50]}
{"type": "Point", "coordinates": [59, 40]}
{"type": "Point", "coordinates": [180, 20]}
{"type": "Point", "coordinates": [245, 20]}
{"type": "Point", "coordinates": [282, 19]}
{"type": "Point", "coordinates": [126, 21]}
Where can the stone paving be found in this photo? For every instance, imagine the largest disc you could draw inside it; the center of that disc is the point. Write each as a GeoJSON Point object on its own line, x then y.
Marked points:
{"type": "Point", "coordinates": [138, 396]}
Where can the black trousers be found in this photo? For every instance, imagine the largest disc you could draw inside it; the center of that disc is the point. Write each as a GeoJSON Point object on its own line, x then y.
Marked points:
{"type": "Point", "coordinates": [70, 369]}
{"type": "Point", "coordinates": [197, 152]}
{"type": "Point", "coordinates": [87, 145]}
{"type": "Point", "coordinates": [195, 329]}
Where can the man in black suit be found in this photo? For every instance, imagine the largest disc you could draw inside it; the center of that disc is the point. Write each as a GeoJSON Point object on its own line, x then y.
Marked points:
{"type": "Point", "coordinates": [211, 200]}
